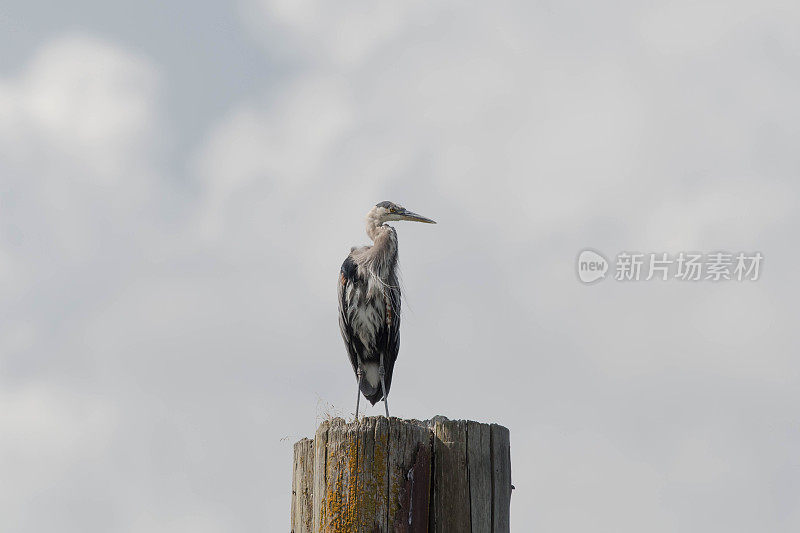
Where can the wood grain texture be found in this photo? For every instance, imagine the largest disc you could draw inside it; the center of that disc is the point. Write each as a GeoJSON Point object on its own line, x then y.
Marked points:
{"type": "Point", "coordinates": [451, 481]}
{"type": "Point", "coordinates": [402, 476]}
{"type": "Point", "coordinates": [501, 478]}
{"type": "Point", "coordinates": [409, 475]}
{"type": "Point", "coordinates": [320, 468]}
{"type": "Point", "coordinates": [379, 479]}
{"type": "Point", "coordinates": [303, 487]}
{"type": "Point", "coordinates": [340, 490]}
{"type": "Point", "coordinates": [480, 476]}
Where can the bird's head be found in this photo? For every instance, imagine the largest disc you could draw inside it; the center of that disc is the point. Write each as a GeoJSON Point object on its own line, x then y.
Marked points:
{"type": "Point", "coordinates": [388, 212]}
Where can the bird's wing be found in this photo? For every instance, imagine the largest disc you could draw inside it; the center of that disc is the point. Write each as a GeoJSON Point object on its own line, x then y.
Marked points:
{"type": "Point", "coordinates": [347, 280]}
{"type": "Point", "coordinates": [390, 336]}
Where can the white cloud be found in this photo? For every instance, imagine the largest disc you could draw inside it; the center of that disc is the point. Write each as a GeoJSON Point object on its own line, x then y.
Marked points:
{"type": "Point", "coordinates": [685, 27]}
{"type": "Point", "coordinates": [346, 33]}
{"type": "Point", "coordinates": [280, 146]}
{"type": "Point", "coordinates": [48, 433]}
{"type": "Point", "coordinates": [84, 101]}
{"type": "Point", "coordinates": [77, 128]}
{"type": "Point", "coordinates": [77, 138]}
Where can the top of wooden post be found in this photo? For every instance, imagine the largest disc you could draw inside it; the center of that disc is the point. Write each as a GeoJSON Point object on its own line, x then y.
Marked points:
{"type": "Point", "coordinates": [379, 474]}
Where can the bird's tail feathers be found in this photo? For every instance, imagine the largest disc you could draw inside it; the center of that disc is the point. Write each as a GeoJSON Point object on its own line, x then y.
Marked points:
{"type": "Point", "coordinates": [371, 383]}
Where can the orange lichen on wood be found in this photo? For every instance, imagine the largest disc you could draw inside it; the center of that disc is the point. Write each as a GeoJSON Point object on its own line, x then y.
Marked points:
{"type": "Point", "coordinates": [402, 475]}
{"type": "Point", "coordinates": [355, 468]}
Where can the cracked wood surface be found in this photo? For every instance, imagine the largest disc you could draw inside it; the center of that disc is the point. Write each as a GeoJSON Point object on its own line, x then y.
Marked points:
{"type": "Point", "coordinates": [402, 476]}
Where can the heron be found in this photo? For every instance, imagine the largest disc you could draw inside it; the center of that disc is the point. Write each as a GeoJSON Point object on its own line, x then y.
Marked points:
{"type": "Point", "coordinates": [369, 303]}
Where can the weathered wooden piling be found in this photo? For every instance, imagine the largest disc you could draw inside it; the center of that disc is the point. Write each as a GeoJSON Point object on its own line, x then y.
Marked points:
{"type": "Point", "coordinates": [402, 475]}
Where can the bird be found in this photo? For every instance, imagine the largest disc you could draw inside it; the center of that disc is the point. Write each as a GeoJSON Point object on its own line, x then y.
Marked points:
{"type": "Point", "coordinates": [369, 303]}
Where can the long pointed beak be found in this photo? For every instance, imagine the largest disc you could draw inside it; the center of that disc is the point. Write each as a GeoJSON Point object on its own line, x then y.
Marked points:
{"type": "Point", "coordinates": [408, 215]}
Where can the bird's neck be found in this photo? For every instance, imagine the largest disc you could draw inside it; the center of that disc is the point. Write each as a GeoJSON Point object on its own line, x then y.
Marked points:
{"type": "Point", "coordinates": [374, 226]}
{"type": "Point", "coordinates": [383, 253]}
{"type": "Point", "coordinates": [375, 230]}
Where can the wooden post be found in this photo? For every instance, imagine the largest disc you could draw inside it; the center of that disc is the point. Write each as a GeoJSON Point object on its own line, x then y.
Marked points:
{"type": "Point", "coordinates": [396, 475]}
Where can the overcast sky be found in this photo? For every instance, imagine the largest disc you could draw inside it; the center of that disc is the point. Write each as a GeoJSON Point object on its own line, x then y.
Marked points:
{"type": "Point", "coordinates": [180, 182]}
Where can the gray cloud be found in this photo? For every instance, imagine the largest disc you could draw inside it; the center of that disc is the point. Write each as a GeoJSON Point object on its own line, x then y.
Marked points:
{"type": "Point", "coordinates": [168, 317]}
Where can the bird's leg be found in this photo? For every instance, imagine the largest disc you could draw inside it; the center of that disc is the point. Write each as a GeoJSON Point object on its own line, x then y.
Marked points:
{"type": "Point", "coordinates": [360, 374]}
{"type": "Point", "coordinates": [383, 388]}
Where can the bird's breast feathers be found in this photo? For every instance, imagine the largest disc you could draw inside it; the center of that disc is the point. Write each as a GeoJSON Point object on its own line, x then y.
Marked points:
{"type": "Point", "coordinates": [367, 318]}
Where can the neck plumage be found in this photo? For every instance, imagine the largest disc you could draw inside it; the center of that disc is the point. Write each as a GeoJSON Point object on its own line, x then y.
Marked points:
{"type": "Point", "coordinates": [377, 263]}
{"type": "Point", "coordinates": [381, 257]}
